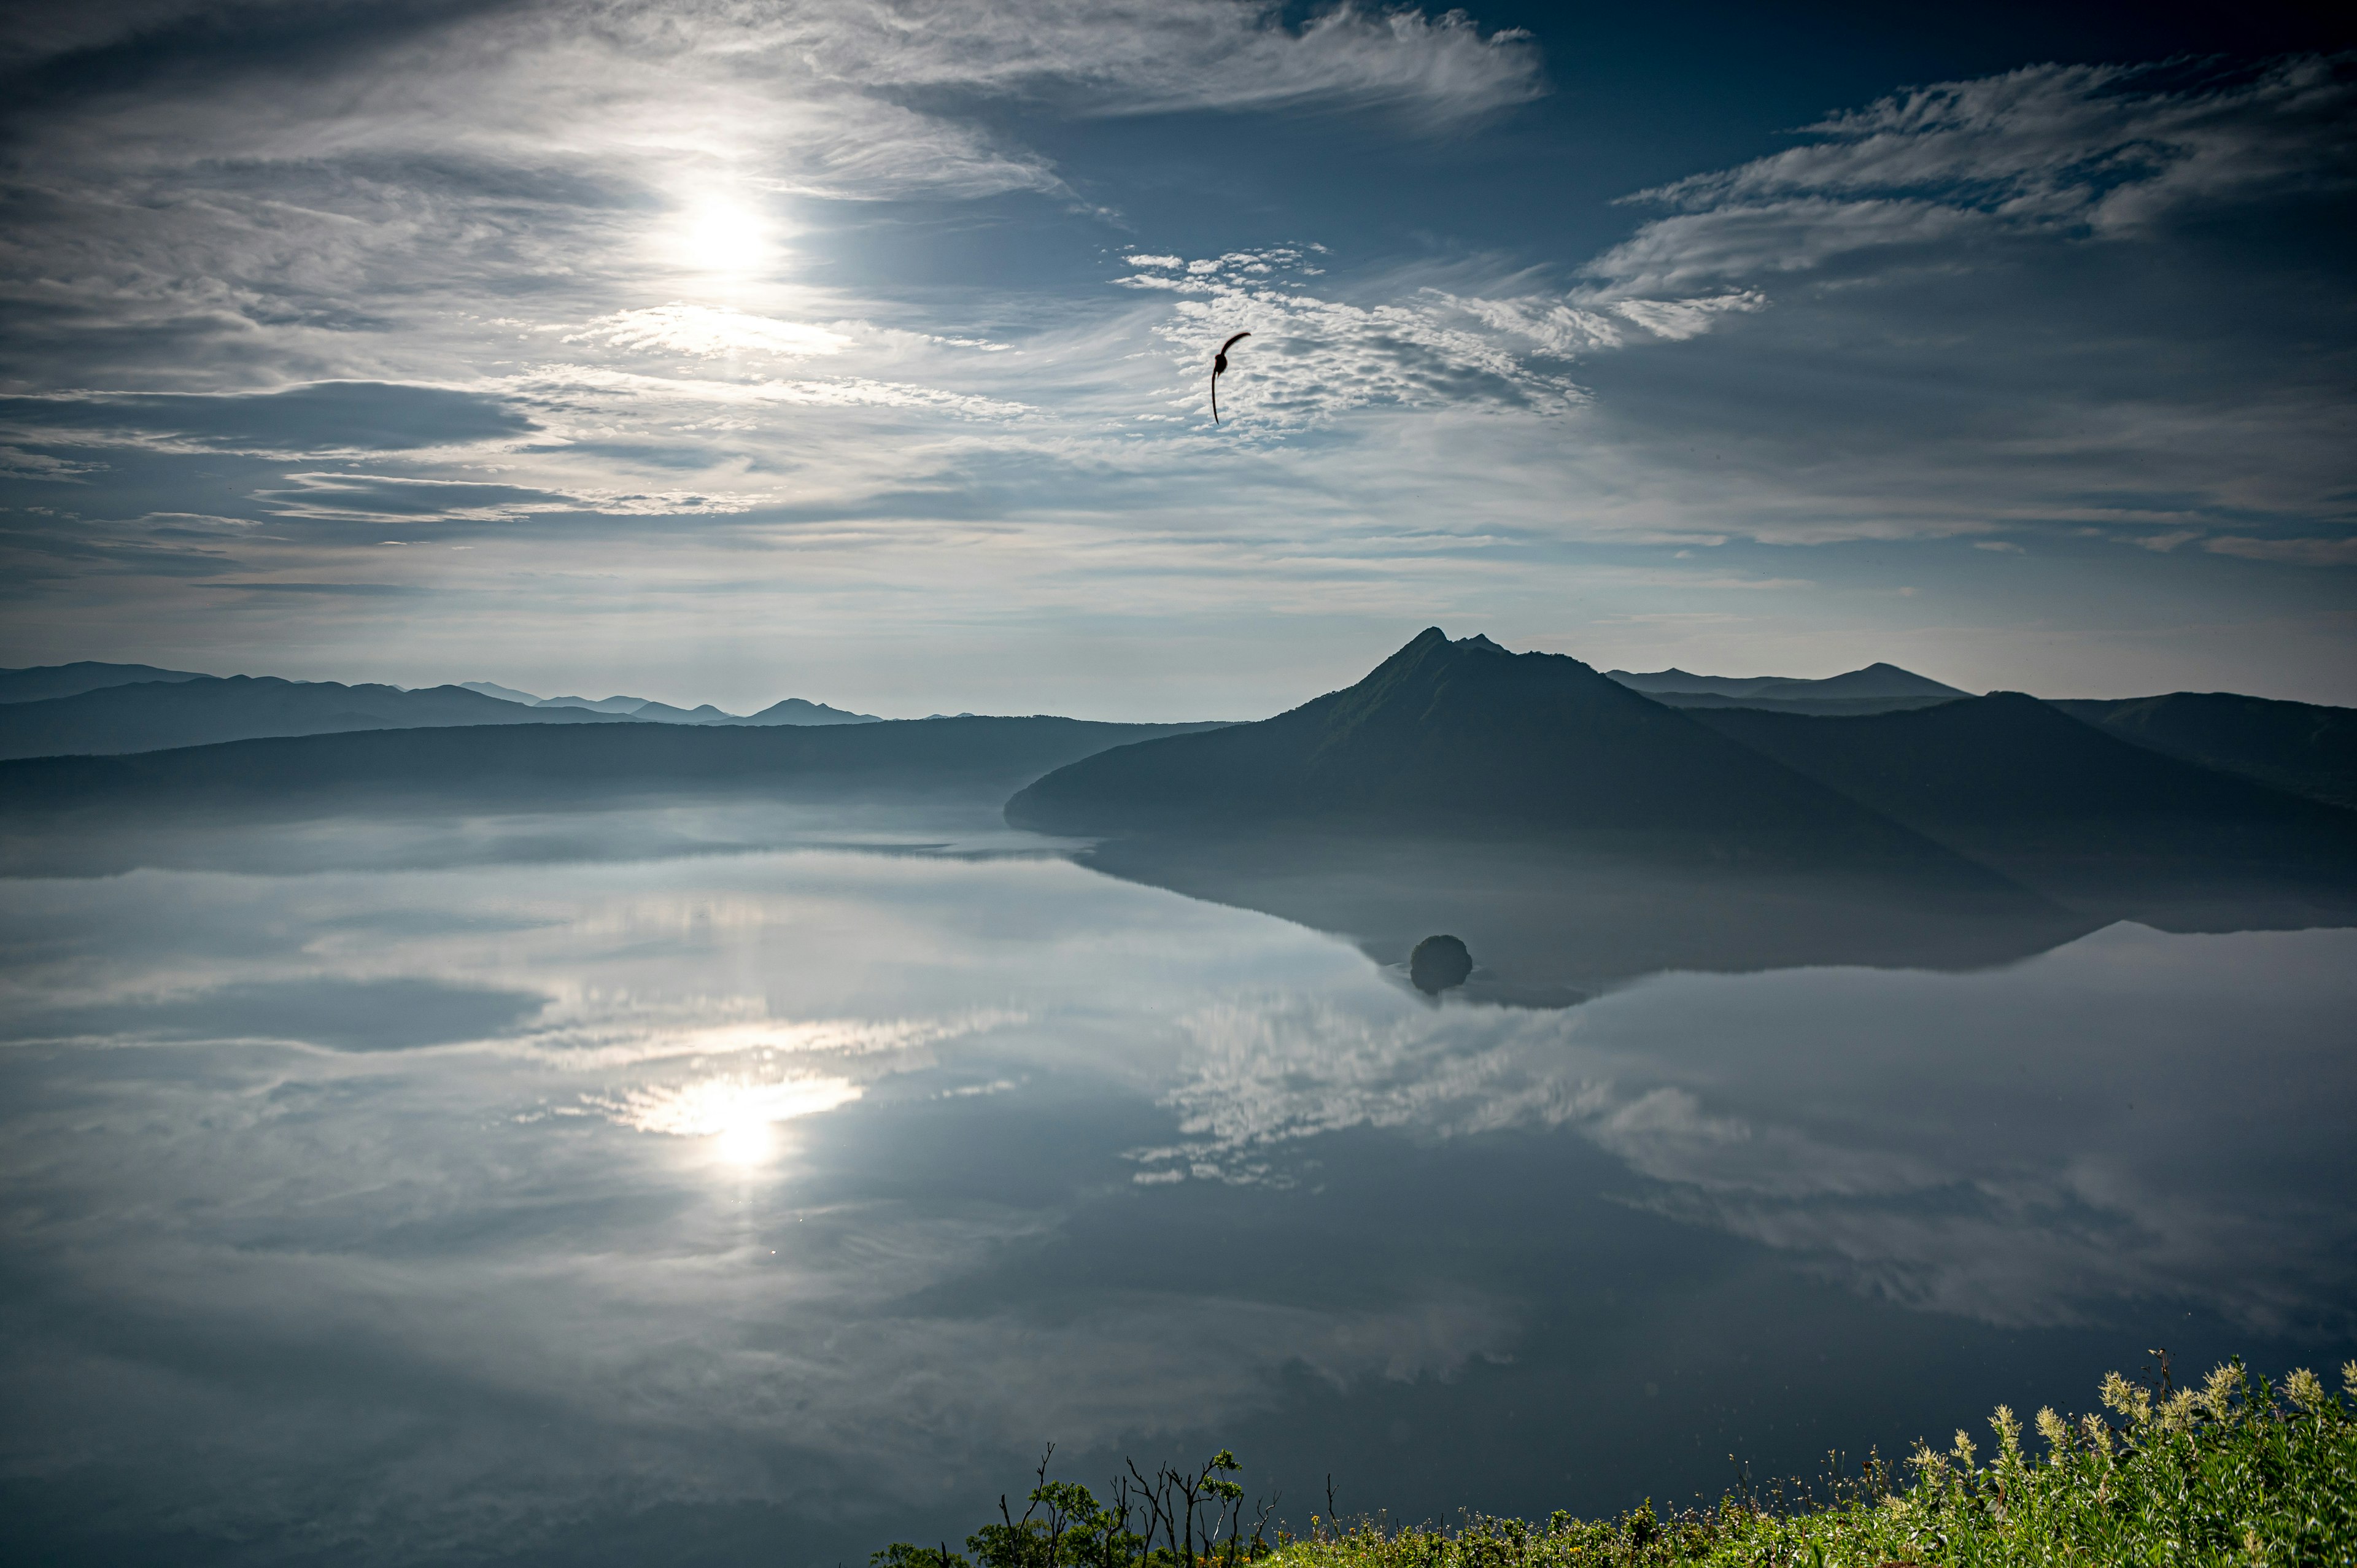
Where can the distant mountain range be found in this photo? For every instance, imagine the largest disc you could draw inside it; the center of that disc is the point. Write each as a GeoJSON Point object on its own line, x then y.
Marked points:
{"type": "Point", "coordinates": [101, 708]}
{"type": "Point", "coordinates": [1573, 830]}
{"type": "Point", "coordinates": [47, 681]}
{"type": "Point", "coordinates": [152, 715]}
{"type": "Point", "coordinates": [569, 755]}
{"type": "Point", "coordinates": [2065, 806]}
{"type": "Point", "coordinates": [2300, 746]}
{"type": "Point", "coordinates": [105, 709]}
{"type": "Point", "coordinates": [1466, 740]}
{"type": "Point", "coordinates": [791, 711]}
{"type": "Point", "coordinates": [1877, 688]}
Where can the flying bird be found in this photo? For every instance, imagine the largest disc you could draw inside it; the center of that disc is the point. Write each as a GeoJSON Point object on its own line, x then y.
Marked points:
{"type": "Point", "coordinates": [1219, 368]}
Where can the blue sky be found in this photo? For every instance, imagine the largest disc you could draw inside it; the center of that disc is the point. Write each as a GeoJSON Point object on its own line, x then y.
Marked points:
{"type": "Point", "coordinates": [857, 351]}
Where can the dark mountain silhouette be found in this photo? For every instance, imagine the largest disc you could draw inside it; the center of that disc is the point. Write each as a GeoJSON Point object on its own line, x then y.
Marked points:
{"type": "Point", "coordinates": [151, 716]}
{"type": "Point", "coordinates": [2065, 807]}
{"type": "Point", "coordinates": [1574, 833]}
{"type": "Point", "coordinates": [1830, 707]}
{"type": "Point", "coordinates": [614, 705]}
{"type": "Point", "coordinates": [1874, 680]}
{"type": "Point", "coordinates": [665, 714]}
{"type": "Point", "coordinates": [800, 711]}
{"type": "Point", "coordinates": [524, 765]}
{"type": "Point", "coordinates": [791, 711]}
{"type": "Point", "coordinates": [506, 694]}
{"type": "Point", "coordinates": [46, 680]}
{"type": "Point", "coordinates": [1465, 740]}
{"type": "Point", "coordinates": [1570, 831]}
{"type": "Point", "coordinates": [2303, 747]}
{"type": "Point", "coordinates": [1877, 688]}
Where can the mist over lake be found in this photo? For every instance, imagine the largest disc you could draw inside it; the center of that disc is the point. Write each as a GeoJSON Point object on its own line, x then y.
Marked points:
{"type": "Point", "coordinates": [544, 1187]}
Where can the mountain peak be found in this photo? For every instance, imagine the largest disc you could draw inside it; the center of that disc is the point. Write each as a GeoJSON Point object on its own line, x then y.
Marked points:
{"type": "Point", "coordinates": [1462, 739]}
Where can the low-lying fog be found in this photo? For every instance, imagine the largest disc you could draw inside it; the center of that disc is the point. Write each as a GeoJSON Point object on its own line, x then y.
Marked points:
{"type": "Point", "coordinates": [526, 1188]}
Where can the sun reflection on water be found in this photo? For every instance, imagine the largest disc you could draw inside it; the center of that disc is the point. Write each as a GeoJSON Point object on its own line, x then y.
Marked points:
{"type": "Point", "coordinates": [737, 1113]}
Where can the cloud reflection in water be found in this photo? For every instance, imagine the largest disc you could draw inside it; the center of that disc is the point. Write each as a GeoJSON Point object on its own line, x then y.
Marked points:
{"type": "Point", "coordinates": [2036, 1145]}
{"type": "Point", "coordinates": [372, 1284]}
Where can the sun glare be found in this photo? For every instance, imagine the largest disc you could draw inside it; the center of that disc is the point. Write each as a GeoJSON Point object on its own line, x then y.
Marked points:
{"type": "Point", "coordinates": [738, 1115]}
{"type": "Point", "coordinates": [746, 1139]}
{"type": "Point", "coordinates": [725, 237]}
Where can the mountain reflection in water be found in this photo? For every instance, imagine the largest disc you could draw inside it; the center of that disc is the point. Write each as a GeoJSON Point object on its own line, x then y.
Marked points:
{"type": "Point", "coordinates": [558, 1187]}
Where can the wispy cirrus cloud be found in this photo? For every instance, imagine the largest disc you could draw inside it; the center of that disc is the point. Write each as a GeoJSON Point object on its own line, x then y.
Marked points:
{"type": "Point", "coordinates": [323, 416]}
{"type": "Point", "coordinates": [2056, 153]}
{"type": "Point", "coordinates": [707, 332]}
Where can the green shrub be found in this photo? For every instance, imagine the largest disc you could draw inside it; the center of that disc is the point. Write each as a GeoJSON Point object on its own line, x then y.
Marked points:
{"type": "Point", "coordinates": [2236, 1472]}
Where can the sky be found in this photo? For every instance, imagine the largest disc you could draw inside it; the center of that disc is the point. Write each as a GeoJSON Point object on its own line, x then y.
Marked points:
{"type": "Point", "coordinates": [717, 351]}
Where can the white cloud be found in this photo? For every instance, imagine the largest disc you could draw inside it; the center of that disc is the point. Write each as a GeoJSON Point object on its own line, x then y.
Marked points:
{"type": "Point", "coordinates": [841, 391]}
{"type": "Point", "coordinates": [706, 331]}
{"type": "Point", "coordinates": [2101, 150]}
{"type": "Point", "coordinates": [1310, 360]}
{"type": "Point", "coordinates": [1137, 57]}
{"type": "Point", "coordinates": [1596, 322]}
{"type": "Point", "coordinates": [1689, 1081]}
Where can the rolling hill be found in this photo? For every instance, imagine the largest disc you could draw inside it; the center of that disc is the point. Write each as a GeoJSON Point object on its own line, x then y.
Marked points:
{"type": "Point", "coordinates": [2304, 747]}
{"type": "Point", "coordinates": [525, 764]}
{"type": "Point", "coordinates": [790, 711]}
{"type": "Point", "coordinates": [2066, 807]}
{"type": "Point", "coordinates": [1877, 688]}
{"type": "Point", "coordinates": [151, 716]}
{"type": "Point", "coordinates": [46, 680]}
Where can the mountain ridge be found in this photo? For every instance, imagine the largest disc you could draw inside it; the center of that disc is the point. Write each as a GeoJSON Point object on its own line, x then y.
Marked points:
{"type": "Point", "coordinates": [2306, 747]}
{"type": "Point", "coordinates": [41, 682]}
{"type": "Point", "coordinates": [1877, 680]}
{"type": "Point", "coordinates": [160, 715]}
{"type": "Point", "coordinates": [590, 755]}
{"type": "Point", "coordinates": [2067, 808]}
{"type": "Point", "coordinates": [786, 711]}
{"type": "Point", "coordinates": [1465, 739]}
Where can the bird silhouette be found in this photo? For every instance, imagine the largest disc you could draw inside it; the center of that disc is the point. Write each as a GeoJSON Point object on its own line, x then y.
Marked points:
{"type": "Point", "coordinates": [1219, 368]}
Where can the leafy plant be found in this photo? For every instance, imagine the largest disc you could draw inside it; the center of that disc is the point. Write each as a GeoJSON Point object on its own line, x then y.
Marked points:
{"type": "Point", "coordinates": [2236, 1471]}
{"type": "Point", "coordinates": [1198, 1518]}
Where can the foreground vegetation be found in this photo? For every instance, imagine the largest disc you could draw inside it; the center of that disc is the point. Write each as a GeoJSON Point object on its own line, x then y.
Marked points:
{"type": "Point", "coordinates": [2236, 1471]}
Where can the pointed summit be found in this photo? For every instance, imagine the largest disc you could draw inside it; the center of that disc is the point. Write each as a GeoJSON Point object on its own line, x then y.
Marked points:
{"type": "Point", "coordinates": [1464, 739]}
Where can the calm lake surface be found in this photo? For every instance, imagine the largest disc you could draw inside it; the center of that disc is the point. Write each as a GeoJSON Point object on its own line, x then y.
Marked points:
{"type": "Point", "coordinates": [734, 1184]}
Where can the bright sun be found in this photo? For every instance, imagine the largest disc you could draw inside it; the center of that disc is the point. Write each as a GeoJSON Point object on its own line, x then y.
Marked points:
{"type": "Point", "coordinates": [725, 237]}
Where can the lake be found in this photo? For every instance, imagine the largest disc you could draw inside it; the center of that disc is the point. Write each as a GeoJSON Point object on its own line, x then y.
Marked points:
{"type": "Point", "coordinates": [720, 1182]}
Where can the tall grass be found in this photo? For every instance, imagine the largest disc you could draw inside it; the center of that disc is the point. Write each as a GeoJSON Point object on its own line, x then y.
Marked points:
{"type": "Point", "coordinates": [2237, 1471]}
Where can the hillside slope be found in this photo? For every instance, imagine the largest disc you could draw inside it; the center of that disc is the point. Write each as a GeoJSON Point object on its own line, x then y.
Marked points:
{"type": "Point", "coordinates": [153, 716]}
{"type": "Point", "coordinates": [43, 681]}
{"type": "Point", "coordinates": [1877, 689]}
{"type": "Point", "coordinates": [531, 763]}
{"type": "Point", "coordinates": [1466, 740]}
{"type": "Point", "coordinates": [2065, 807]}
{"type": "Point", "coordinates": [2304, 747]}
